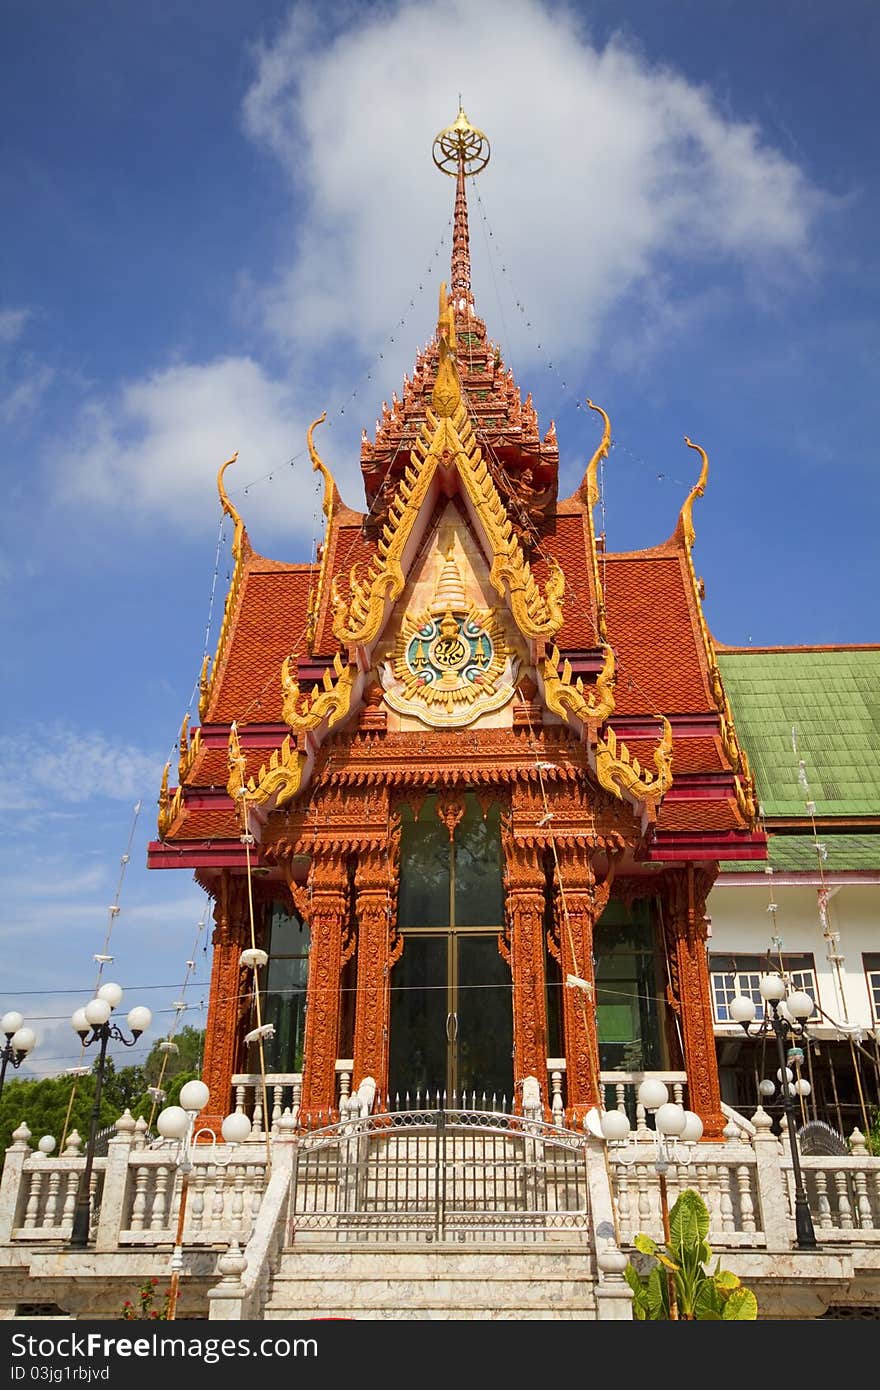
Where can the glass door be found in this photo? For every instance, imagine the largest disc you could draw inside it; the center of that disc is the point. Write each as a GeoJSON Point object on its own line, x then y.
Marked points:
{"type": "Point", "coordinates": [451, 1019]}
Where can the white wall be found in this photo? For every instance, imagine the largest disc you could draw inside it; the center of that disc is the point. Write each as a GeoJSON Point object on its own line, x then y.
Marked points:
{"type": "Point", "coordinates": [741, 923]}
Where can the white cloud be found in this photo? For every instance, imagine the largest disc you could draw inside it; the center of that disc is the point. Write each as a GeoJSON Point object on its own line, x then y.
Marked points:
{"type": "Point", "coordinates": [610, 181]}
{"type": "Point", "coordinates": [603, 168]}
{"type": "Point", "coordinates": [75, 767]}
{"type": "Point", "coordinates": [12, 322]}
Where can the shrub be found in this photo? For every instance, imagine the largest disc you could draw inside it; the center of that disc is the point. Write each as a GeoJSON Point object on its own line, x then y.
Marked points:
{"type": "Point", "coordinates": [680, 1268]}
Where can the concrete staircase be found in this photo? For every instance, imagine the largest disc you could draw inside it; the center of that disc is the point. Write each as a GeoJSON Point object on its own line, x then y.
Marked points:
{"type": "Point", "coordinates": [444, 1282]}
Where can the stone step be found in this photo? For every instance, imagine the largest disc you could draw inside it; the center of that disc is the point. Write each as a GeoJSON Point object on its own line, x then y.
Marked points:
{"type": "Point", "coordinates": [435, 1284]}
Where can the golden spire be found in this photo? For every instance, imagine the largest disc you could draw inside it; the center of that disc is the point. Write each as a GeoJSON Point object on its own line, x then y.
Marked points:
{"type": "Point", "coordinates": [461, 151]}
{"type": "Point", "coordinates": [449, 595]}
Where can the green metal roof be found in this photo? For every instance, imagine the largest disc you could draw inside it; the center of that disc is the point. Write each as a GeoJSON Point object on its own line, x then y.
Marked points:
{"type": "Point", "coordinates": [831, 700]}
{"type": "Point", "coordinates": [798, 854]}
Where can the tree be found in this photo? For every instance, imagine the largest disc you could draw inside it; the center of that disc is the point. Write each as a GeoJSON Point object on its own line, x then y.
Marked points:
{"type": "Point", "coordinates": [680, 1268]}
{"type": "Point", "coordinates": [189, 1043]}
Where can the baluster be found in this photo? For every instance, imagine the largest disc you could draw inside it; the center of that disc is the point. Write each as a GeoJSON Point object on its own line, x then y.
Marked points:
{"type": "Point", "coordinates": [257, 1118]}
{"type": "Point", "coordinates": [70, 1197]}
{"type": "Point", "coordinates": [277, 1092]}
{"type": "Point", "coordinates": [557, 1108]}
{"type": "Point", "coordinates": [139, 1203]}
{"type": "Point", "coordinates": [218, 1200]}
{"type": "Point", "coordinates": [746, 1204]}
{"type": "Point", "coordinates": [240, 1099]}
{"type": "Point", "coordinates": [823, 1205]}
{"type": "Point", "coordinates": [238, 1172]}
{"type": "Point", "coordinates": [33, 1202]}
{"type": "Point", "coordinates": [50, 1211]}
{"type": "Point", "coordinates": [863, 1204]}
{"type": "Point", "coordinates": [158, 1218]}
{"type": "Point", "coordinates": [624, 1208]}
{"type": "Point", "coordinates": [644, 1203]}
{"type": "Point", "coordinates": [844, 1209]}
{"type": "Point", "coordinates": [195, 1207]}
{"type": "Point", "coordinates": [724, 1179]}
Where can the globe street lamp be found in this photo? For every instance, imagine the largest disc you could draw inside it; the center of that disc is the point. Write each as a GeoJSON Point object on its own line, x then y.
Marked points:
{"type": "Point", "coordinates": [19, 1042]}
{"type": "Point", "coordinates": [675, 1133]}
{"type": "Point", "coordinates": [785, 1014]}
{"type": "Point", "coordinates": [93, 1025]}
{"type": "Point", "coordinates": [176, 1123]}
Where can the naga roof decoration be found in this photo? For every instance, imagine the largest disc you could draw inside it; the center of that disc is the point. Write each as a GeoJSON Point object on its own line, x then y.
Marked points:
{"type": "Point", "coordinates": [461, 496]}
{"type": "Point", "coordinates": [329, 507]}
{"type": "Point", "coordinates": [744, 782]}
{"type": "Point", "coordinates": [588, 495]}
{"type": "Point", "coordinates": [240, 549]}
{"type": "Point", "coordinates": [446, 460]}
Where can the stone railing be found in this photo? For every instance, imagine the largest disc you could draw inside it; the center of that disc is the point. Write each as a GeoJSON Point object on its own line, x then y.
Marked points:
{"type": "Point", "coordinates": [135, 1191]}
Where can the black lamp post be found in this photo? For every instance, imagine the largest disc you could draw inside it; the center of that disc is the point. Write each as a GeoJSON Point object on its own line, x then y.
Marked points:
{"type": "Point", "coordinates": [19, 1041]}
{"type": "Point", "coordinates": [93, 1025]}
{"type": "Point", "coordinates": [788, 1024]}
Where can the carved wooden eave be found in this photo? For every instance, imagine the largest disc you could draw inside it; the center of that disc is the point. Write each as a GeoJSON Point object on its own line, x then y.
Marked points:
{"type": "Point", "coordinates": [685, 536]}
{"type": "Point", "coordinates": [330, 506]}
{"type": "Point", "coordinates": [588, 495]}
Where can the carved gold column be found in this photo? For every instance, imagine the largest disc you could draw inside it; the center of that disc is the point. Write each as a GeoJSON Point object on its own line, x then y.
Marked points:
{"type": "Point", "coordinates": [686, 942]}
{"type": "Point", "coordinates": [579, 902]}
{"type": "Point", "coordinates": [525, 885]}
{"type": "Point", "coordinates": [225, 1002]}
{"type": "Point", "coordinates": [328, 912]}
{"type": "Point", "coordinates": [376, 894]}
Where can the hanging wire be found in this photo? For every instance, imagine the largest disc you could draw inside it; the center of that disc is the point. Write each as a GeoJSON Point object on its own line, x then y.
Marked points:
{"type": "Point", "coordinates": [103, 957]}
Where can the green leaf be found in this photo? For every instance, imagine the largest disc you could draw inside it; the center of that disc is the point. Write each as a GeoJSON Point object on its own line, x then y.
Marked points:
{"type": "Point", "coordinates": [741, 1306]}
{"type": "Point", "coordinates": [657, 1295]}
{"type": "Point", "coordinates": [725, 1279]}
{"type": "Point", "coordinates": [646, 1245]}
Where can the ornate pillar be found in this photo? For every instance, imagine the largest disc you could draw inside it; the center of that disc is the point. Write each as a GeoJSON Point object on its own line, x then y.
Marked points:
{"type": "Point", "coordinates": [375, 909]}
{"type": "Point", "coordinates": [579, 903]}
{"type": "Point", "coordinates": [226, 1000]}
{"type": "Point", "coordinates": [525, 884]}
{"type": "Point", "coordinates": [686, 947]}
{"type": "Point", "coordinates": [328, 914]}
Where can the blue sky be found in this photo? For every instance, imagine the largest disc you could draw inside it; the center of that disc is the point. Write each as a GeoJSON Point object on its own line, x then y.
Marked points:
{"type": "Point", "coordinates": [221, 220]}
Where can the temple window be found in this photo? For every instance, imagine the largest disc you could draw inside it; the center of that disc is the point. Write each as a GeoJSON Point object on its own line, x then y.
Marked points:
{"type": "Point", "coordinates": [283, 1002]}
{"type": "Point", "coordinates": [630, 989]}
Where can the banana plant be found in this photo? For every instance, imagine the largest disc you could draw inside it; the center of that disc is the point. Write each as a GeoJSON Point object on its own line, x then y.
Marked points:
{"type": "Point", "coordinates": [679, 1283]}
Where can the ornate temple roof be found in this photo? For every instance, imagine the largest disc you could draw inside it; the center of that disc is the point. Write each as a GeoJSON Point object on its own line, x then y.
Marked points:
{"type": "Point", "coordinates": [618, 645]}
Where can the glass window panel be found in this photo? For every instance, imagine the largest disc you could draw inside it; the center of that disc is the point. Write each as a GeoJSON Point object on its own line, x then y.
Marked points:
{"type": "Point", "coordinates": [425, 862]}
{"type": "Point", "coordinates": [629, 992]}
{"type": "Point", "coordinates": [479, 892]}
{"type": "Point", "coordinates": [871, 961]}
{"type": "Point", "coordinates": [732, 975]}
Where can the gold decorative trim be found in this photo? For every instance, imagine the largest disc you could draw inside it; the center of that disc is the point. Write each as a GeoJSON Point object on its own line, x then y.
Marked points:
{"type": "Point", "coordinates": [329, 505]}
{"type": "Point", "coordinates": [620, 773]}
{"type": "Point", "coordinates": [568, 699]}
{"type": "Point", "coordinates": [588, 494]}
{"type": "Point", "coordinates": [729, 740]}
{"type": "Point", "coordinates": [330, 701]}
{"type": "Point", "coordinates": [190, 745]}
{"type": "Point", "coordinates": [169, 806]}
{"type": "Point", "coordinates": [447, 440]}
{"type": "Point", "coordinates": [206, 681]}
{"type": "Point", "coordinates": [281, 778]}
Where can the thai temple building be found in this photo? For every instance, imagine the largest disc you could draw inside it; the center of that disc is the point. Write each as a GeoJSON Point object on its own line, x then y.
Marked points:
{"type": "Point", "coordinates": [466, 781]}
{"type": "Point", "coordinates": [535, 907]}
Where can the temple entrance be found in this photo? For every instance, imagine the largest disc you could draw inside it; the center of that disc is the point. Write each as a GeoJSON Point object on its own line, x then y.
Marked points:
{"type": "Point", "coordinates": [451, 1019]}
{"type": "Point", "coordinates": [451, 1016]}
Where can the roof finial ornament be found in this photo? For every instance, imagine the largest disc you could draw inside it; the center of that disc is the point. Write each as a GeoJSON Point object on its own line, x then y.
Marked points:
{"type": "Point", "coordinates": [461, 151]}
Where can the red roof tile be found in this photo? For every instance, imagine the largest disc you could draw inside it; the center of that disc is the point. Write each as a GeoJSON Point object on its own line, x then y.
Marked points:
{"type": "Point", "coordinates": [654, 629]}
{"type": "Point", "coordinates": [269, 624]}
{"type": "Point", "coordinates": [565, 538]}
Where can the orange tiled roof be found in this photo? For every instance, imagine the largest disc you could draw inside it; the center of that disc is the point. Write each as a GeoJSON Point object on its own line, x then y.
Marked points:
{"type": "Point", "coordinates": [269, 624]}
{"type": "Point", "coordinates": [700, 815]}
{"type": "Point", "coordinates": [565, 538]}
{"type": "Point", "coordinates": [654, 629]}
